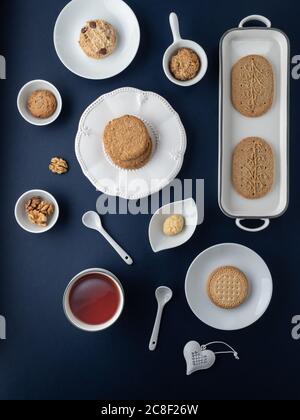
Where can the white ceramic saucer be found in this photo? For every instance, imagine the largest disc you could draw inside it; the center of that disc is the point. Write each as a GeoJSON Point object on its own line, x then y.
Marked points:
{"type": "Point", "coordinates": [67, 31]}
{"type": "Point", "coordinates": [257, 272]}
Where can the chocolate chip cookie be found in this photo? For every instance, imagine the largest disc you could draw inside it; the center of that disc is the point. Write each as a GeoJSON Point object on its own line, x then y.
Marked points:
{"type": "Point", "coordinates": [98, 39]}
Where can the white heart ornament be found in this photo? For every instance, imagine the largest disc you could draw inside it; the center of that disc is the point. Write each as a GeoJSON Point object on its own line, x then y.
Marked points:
{"type": "Point", "coordinates": [197, 357]}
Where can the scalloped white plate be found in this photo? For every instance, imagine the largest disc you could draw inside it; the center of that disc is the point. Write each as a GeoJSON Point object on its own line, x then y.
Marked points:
{"type": "Point", "coordinates": [165, 128]}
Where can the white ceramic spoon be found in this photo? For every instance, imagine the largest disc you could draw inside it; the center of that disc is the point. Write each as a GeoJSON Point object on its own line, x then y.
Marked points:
{"type": "Point", "coordinates": [163, 295]}
{"type": "Point", "coordinates": [92, 220]}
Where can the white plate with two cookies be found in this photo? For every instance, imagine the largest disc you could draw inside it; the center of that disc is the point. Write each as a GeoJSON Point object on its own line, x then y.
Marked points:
{"type": "Point", "coordinates": [73, 19]}
{"type": "Point", "coordinates": [255, 302]}
{"type": "Point", "coordinates": [254, 105]}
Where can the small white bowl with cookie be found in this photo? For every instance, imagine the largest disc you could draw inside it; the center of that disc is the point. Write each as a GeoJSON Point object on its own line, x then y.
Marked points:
{"type": "Point", "coordinates": [185, 62]}
{"type": "Point", "coordinates": [39, 102]}
{"type": "Point", "coordinates": [36, 211]}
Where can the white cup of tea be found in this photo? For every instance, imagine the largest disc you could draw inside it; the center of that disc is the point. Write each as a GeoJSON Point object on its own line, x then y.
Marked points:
{"type": "Point", "coordinates": [93, 300]}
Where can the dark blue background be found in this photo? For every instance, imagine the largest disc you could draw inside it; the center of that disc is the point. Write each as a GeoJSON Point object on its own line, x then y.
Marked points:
{"type": "Point", "coordinates": [44, 356]}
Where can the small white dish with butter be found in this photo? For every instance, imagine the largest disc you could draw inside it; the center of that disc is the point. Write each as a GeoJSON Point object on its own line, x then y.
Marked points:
{"type": "Point", "coordinates": [173, 225]}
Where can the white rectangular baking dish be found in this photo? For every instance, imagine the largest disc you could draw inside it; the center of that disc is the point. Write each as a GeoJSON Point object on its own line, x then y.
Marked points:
{"type": "Point", "coordinates": [273, 126]}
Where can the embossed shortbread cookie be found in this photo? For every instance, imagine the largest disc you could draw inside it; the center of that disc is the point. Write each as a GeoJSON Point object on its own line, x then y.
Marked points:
{"type": "Point", "coordinates": [135, 163]}
{"type": "Point", "coordinates": [253, 168]}
{"type": "Point", "coordinates": [98, 39]}
{"type": "Point", "coordinates": [127, 142]}
{"type": "Point", "coordinates": [228, 287]}
{"type": "Point", "coordinates": [252, 86]}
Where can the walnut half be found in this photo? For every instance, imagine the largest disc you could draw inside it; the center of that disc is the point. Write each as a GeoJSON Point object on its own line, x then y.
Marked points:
{"type": "Point", "coordinates": [58, 165]}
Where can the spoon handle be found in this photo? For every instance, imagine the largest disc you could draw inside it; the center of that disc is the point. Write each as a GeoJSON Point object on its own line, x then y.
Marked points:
{"type": "Point", "coordinates": [175, 27]}
{"type": "Point", "coordinates": [125, 257]}
{"type": "Point", "coordinates": [155, 332]}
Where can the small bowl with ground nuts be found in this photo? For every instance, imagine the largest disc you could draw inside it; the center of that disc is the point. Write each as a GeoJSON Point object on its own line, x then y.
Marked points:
{"type": "Point", "coordinates": [36, 211]}
{"type": "Point", "coordinates": [185, 62]}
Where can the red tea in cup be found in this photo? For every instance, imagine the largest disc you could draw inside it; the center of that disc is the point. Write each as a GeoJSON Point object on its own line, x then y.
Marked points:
{"type": "Point", "coordinates": [93, 300]}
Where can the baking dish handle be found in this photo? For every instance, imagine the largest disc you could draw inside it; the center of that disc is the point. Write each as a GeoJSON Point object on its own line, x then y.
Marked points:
{"type": "Point", "coordinates": [266, 223]}
{"type": "Point", "coordinates": [258, 18]}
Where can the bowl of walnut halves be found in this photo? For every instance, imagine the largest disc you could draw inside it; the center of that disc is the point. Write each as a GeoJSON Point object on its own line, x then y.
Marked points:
{"type": "Point", "coordinates": [36, 211]}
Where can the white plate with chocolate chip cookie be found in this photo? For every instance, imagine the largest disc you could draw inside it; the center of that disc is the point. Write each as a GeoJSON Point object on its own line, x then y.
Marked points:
{"type": "Point", "coordinates": [96, 39]}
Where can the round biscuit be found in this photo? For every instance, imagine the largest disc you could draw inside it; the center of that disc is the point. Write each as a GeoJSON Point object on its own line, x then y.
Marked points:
{"type": "Point", "coordinates": [135, 164]}
{"type": "Point", "coordinates": [228, 287]}
{"type": "Point", "coordinates": [126, 139]}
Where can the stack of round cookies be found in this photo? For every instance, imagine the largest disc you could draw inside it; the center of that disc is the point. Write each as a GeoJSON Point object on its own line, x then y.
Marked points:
{"type": "Point", "coordinates": [127, 142]}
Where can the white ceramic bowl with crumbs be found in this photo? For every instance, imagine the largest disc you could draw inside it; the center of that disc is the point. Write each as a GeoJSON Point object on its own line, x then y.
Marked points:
{"type": "Point", "coordinates": [24, 94]}
{"type": "Point", "coordinates": [21, 215]}
{"type": "Point", "coordinates": [177, 44]}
